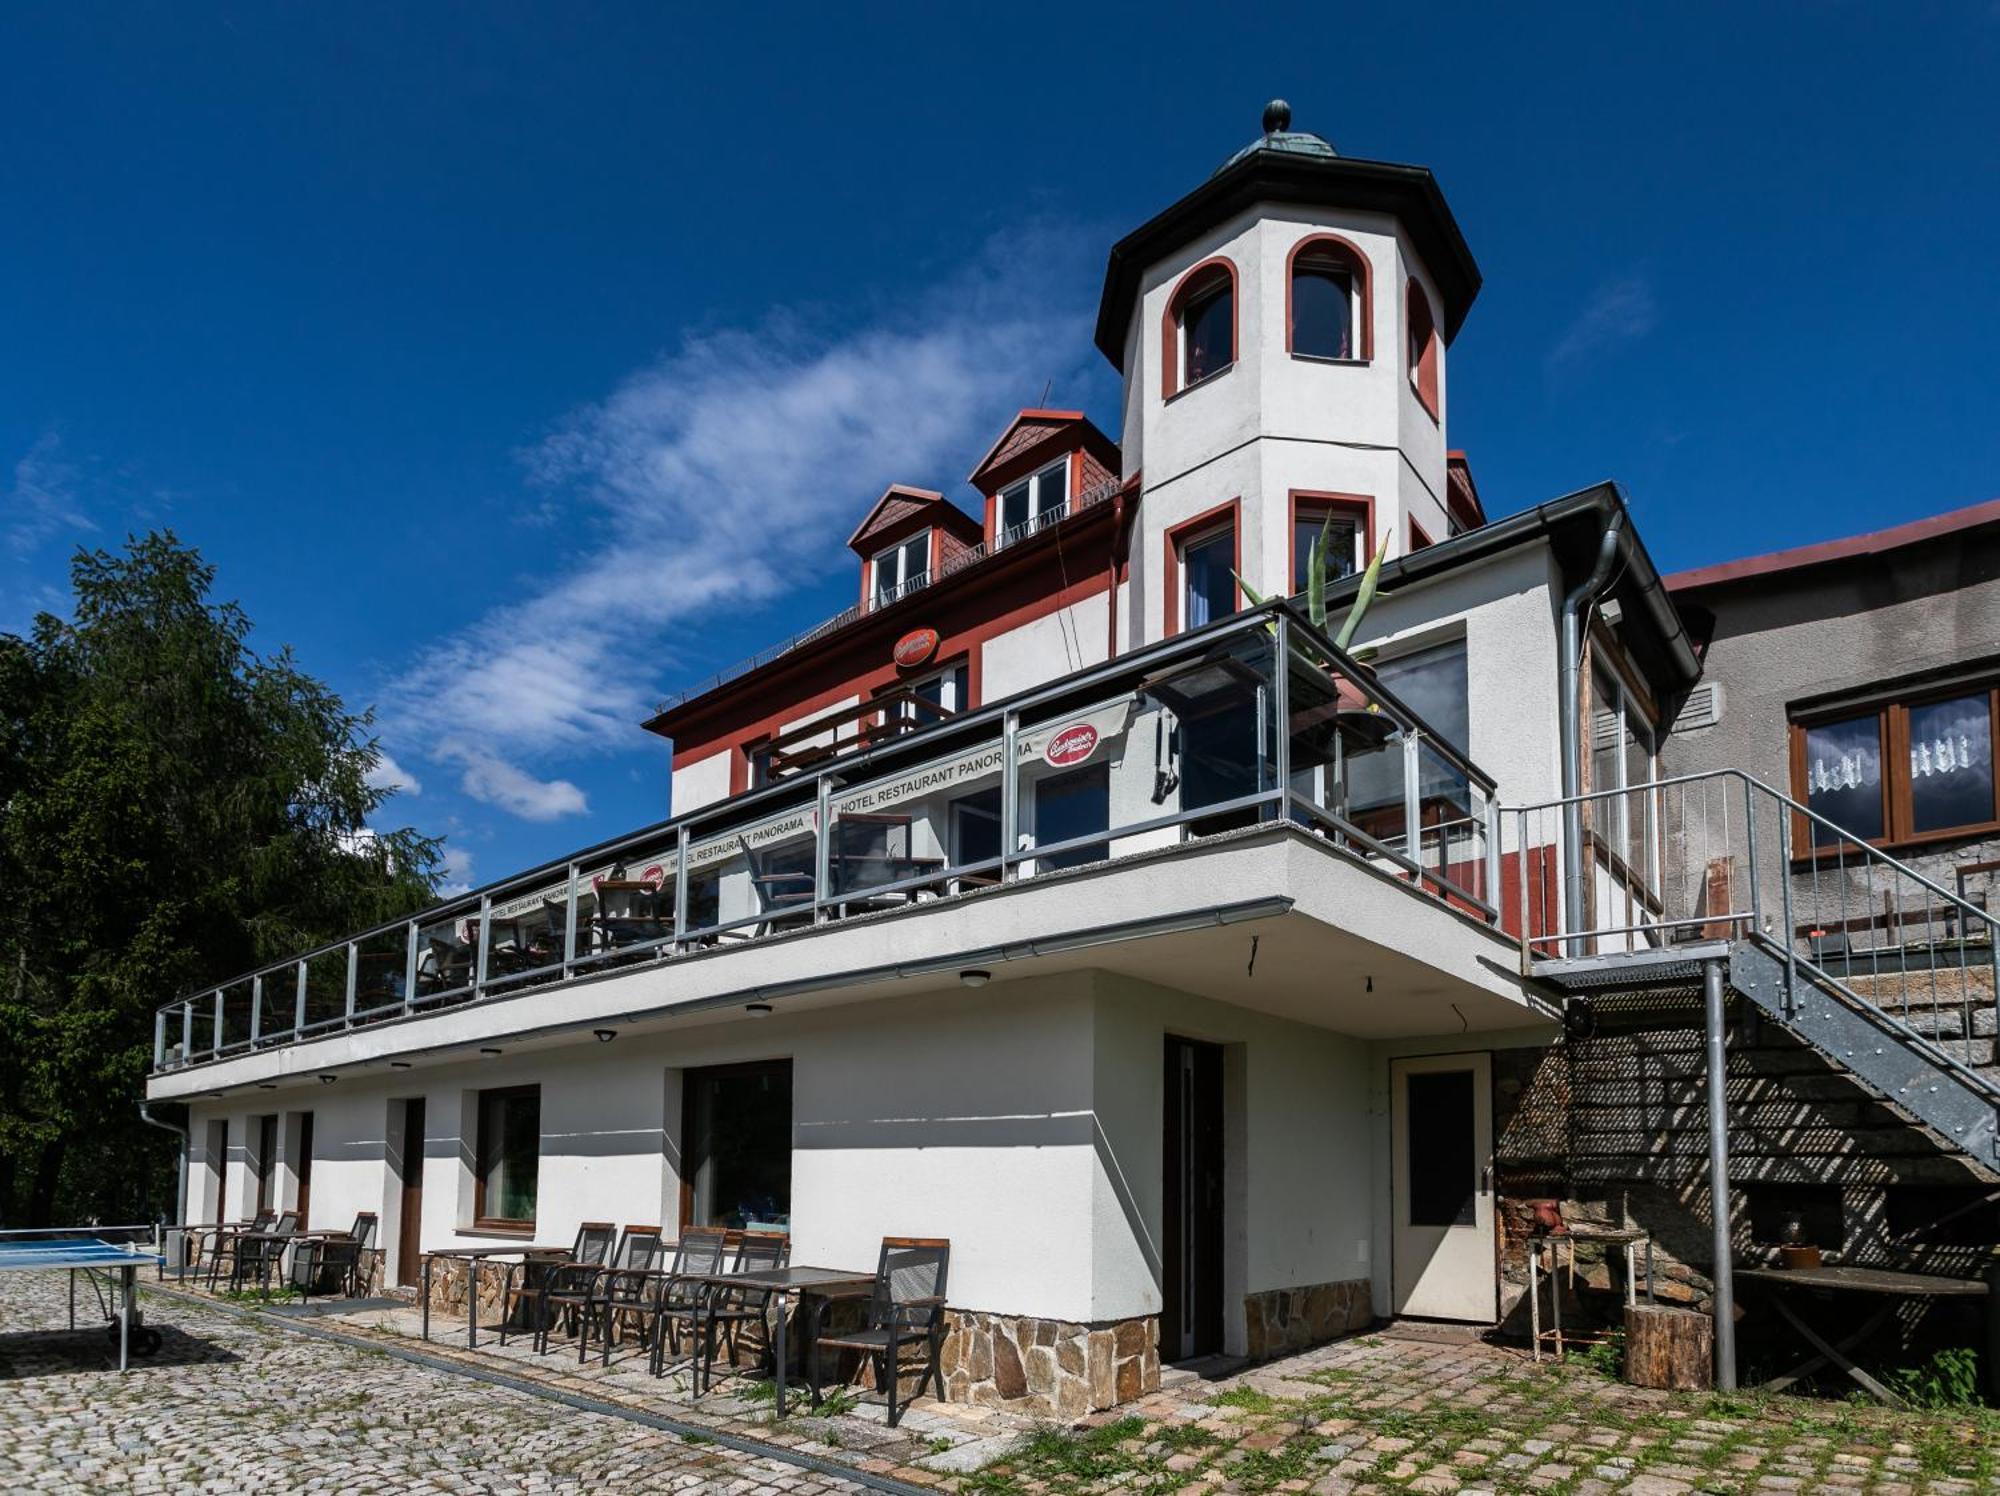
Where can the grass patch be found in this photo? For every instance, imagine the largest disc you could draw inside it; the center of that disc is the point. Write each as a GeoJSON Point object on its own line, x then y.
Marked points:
{"type": "Point", "coordinates": [1183, 1437]}
{"type": "Point", "coordinates": [1248, 1399]}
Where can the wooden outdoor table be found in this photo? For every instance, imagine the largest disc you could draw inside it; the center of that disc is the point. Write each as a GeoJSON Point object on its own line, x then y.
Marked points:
{"type": "Point", "coordinates": [472, 1257]}
{"type": "Point", "coordinates": [784, 1284]}
{"type": "Point", "coordinates": [1886, 1283]}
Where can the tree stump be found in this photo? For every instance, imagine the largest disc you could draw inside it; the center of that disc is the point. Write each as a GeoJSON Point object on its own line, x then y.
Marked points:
{"type": "Point", "coordinates": [1669, 1348]}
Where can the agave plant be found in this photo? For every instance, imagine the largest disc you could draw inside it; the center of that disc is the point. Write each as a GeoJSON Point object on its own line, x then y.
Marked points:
{"type": "Point", "coordinates": [1316, 580]}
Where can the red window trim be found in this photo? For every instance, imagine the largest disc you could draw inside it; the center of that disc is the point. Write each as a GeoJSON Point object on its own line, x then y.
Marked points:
{"type": "Point", "coordinates": [1423, 366]}
{"type": "Point", "coordinates": [1360, 504]}
{"type": "Point", "coordinates": [1197, 280]}
{"type": "Point", "coordinates": [1356, 264]}
{"type": "Point", "coordinates": [1208, 519]}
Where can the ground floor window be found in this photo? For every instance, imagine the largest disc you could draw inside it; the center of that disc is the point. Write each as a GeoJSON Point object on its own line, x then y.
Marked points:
{"type": "Point", "coordinates": [508, 1156]}
{"type": "Point", "coordinates": [1901, 770]}
{"type": "Point", "coordinates": [736, 1146]}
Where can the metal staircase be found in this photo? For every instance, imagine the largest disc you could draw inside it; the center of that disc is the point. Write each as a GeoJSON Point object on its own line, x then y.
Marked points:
{"type": "Point", "coordinates": [1878, 968]}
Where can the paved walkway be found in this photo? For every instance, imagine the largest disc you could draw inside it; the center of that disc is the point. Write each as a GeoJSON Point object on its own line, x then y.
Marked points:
{"type": "Point", "coordinates": [235, 1404]}
{"type": "Point", "coordinates": [230, 1404]}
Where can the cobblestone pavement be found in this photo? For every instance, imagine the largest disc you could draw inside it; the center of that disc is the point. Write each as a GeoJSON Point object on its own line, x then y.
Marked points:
{"type": "Point", "coordinates": [238, 1405]}
{"type": "Point", "coordinates": [231, 1405]}
{"type": "Point", "coordinates": [1376, 1414]}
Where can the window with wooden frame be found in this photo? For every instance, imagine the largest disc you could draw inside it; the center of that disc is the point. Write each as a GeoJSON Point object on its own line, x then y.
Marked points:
{"type": "Point", "coordinates": [1422, 356]}
{"type": "Point", "coordinates": [1027, 506]}
{"type": "Point", "coordinates": [1913, 768]}
{"type": "Point", "coordinates": [1327, 301]}
{"type": "Point", "coordinates": [902, 569]}
{"type": "Point", "coordinates": [736, 1146]}
{"type": "Point", "coordinates": [1199, 338]}
{"type": "Point", "coordinates": [507, 1157]}
{"type": "Point", "coordinates": [1344, 522]}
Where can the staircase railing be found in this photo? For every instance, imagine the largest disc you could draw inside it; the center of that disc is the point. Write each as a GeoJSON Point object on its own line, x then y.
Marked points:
{"type": "Point", "coordinates": [1721, 855]}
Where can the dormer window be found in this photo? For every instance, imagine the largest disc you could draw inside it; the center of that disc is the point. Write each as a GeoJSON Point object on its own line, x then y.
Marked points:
{"type": "Point", "coordinates": [902, 569]}
{"type": "Point", "coordinates": [1032, 503]}
{"type": "Point", "coordinates": [1200, 332]}
{"type": "Point", "coordinates": [1329, 300]}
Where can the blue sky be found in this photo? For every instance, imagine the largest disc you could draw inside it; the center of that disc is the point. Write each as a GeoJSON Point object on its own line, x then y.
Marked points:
{"type": "Point", "coordinates": [519, 364]}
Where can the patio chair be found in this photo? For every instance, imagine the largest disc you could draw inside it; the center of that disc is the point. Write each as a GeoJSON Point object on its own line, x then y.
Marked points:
{"type": "Point", "coordinates": [564, 1286]}
{"type": "Point", "coordinates": [905, 1307]}
{"type": "Point", "coordinates": [736, 1308]}
{"type": "Point", "coordinates": [333, 1256]}
{"type": "Point", "coordinates": [449, 965]}
{"type": "Point", "coordinates": [680, 1294]}
{"type": "Point", "coordinates": [622, 1289]}
{"type": "Point", "coordinates": [781, 896]}
{"type": "Point", "coordinates": [259, 1254]}
{"type": "Point", "coordinates": [221, 1243]}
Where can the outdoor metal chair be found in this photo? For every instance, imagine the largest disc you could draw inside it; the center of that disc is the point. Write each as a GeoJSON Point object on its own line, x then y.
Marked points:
{"type": "Point", "coordinates": [622, 1289]}
{"type": "Point", "coordinates": [449, 965]}
{"type": "Point", "coordinates": [221, 1243]}
{"type": "Point", "coordinates": [905, 1308]}
{"type": "Point", "coordinates": [332, 1256]}
{"type": "Point", "coordinates": [736, 1308]}
{"type": "Point", "coordinates": [681, 1293]}
{"type": "Point", "coordinates": [781, 895]}
{"type": "Point", "coordinates": [563, 1287]}
{"type": "Point", "coordinates": [258, 1253]}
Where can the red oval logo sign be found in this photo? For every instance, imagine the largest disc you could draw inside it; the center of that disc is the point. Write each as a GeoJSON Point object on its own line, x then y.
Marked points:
{"type": "Point", "coordinates": [915, 647]}
{"type": "Point", "coordinates": [1071, 746]}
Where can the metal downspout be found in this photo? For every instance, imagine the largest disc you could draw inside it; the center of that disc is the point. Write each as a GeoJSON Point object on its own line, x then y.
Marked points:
{"type": "Point", "coordinates": [179, 1130]}
{"type": "Point", "coordinates": [1569, 706]}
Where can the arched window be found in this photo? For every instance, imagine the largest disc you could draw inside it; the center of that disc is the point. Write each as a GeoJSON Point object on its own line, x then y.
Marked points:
{"type": "Point", "coordinates": [1327, 302]}
{"type": "Point", "coordinates": [1423, 347]}
{"type": "Point", "coordinates": [1199, 338]}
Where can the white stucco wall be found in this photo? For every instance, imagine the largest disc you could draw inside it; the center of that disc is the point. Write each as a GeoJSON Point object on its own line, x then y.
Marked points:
{"type": "Point", "coordinates": [705, 781]}
{"type": "Point", "coordinates": [1045, 648]}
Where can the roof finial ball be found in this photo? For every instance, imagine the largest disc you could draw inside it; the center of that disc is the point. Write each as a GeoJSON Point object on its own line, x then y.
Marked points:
{"type": "Point", "coordinates": [1277, 117]}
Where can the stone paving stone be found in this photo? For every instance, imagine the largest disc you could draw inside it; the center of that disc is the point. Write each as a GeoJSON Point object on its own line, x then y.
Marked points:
{"type": "Point", "coordinates": [231, 1405]}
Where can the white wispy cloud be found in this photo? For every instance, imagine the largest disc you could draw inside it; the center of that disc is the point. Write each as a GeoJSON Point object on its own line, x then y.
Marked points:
{"type": "Point", "coordinates": [42, 501]}
{"type": "Point", "coordinates": [457, 870]}
{"type": "Point", "coordinates": [1619, 311]}
{"type": "Point", "coordinates": [718, 476]}
{"type": "Point", "coordinates": [392, 776]}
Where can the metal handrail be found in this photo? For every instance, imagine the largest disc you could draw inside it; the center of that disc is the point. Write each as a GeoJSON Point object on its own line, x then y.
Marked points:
{"type": "Point", "coordinates": [278, 987]}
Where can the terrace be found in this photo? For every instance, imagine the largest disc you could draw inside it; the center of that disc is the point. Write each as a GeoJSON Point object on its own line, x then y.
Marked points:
{"type": "Point", "coordinates": [1258, 719]}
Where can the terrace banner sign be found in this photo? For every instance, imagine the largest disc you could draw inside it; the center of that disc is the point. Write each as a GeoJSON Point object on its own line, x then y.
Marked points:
{"type": "Point", "coordinates": [1065, 743]}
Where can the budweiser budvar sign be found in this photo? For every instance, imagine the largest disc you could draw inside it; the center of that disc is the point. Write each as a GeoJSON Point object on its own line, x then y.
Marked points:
{"type": "Point", "coordinates": [915, 647]}
{"type": "Point", "coordinates": [1071, 745]}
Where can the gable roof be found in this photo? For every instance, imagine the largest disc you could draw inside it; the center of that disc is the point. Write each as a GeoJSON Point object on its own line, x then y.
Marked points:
{"type": "Point", "coordinates": [901, 504]}
{"type": "Point", "coordinates": [1951, 522]}
{"type": "Point", "coordinates": [1031, 434]}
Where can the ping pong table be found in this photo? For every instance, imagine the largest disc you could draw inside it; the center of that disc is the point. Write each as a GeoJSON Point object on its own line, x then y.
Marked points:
{"type": "Point", "coordinates": [111, 1269]}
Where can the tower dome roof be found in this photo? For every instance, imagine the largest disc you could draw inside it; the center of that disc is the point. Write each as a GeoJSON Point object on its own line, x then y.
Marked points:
{"type": "Point", "coordinates": [1280, 137]}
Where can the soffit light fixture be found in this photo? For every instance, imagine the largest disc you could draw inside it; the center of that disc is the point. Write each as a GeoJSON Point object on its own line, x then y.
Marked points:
{"type": "Point", "coordinates": [605, 1036]}
{"type": "Point", "coordinates": [399, 1064]}
{"type": "Point", "coordinates": [327, 1080]}
{"type": "Point", "coordinates": [758, 1010]}
{"type": "Point", "coordinates": [975, 977]}
{"type": "Point", "coordinates": [488, 1052]}
{"type": "Point", "coordinates": [267, 1085]}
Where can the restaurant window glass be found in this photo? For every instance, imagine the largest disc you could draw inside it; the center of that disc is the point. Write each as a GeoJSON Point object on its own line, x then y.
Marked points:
{"type": "Point", "coordinates": [737, 1146]}
{"type": "Point", "coordinates": [1072, 804]}
{"type": "Point", "coordinates": [1033, 502]}
{"type": "Point", "coordinates": [1208, 577]}
{"type": "Point", "coordinates": [1917, 767]}
{"type": "Point", "coordinates": [1432, 683]}
{"type": "Point", "coordinates": [975, 828]}
{"type": "Point", "coordinates": [508, 1155]}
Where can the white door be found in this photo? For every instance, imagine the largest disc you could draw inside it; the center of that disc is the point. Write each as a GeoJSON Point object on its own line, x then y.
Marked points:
{"type": "Point", "coordinates": [1442, 1151]}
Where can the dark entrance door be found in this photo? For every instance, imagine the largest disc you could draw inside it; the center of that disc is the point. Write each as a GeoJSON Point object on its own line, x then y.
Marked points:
{"type": "Point", "coordinates": [409, 1253]}
{"type": "Point", "coordinates": [305, 1170]}
{"type": "Point", "coordinates": [1191, 1266]}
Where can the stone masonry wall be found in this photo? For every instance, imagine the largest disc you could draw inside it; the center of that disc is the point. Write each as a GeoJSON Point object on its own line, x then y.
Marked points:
{"type": "Point", "coordinates": [1280, 1321]}
{"type": "Point", "coordinates": [1053, 1367]}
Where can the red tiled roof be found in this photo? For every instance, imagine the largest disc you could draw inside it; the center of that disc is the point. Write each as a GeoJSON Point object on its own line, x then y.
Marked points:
{"type": "Point", "coordinates": [1845, 549]}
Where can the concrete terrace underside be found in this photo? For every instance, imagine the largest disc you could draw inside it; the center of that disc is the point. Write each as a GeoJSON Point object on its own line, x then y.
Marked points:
{"type": "Point", "coordinates": [1268, 919]}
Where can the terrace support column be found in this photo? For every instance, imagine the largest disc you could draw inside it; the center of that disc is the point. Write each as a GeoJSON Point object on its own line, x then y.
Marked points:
{"type": "Point", "coordinates": [1718, 1179]}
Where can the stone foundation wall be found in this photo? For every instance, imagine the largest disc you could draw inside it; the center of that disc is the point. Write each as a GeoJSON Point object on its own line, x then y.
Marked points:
{"type": "Point", "coordinates": [1279, 1321]}
{"type": "Point", "coordinates": [1054, 1367]}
